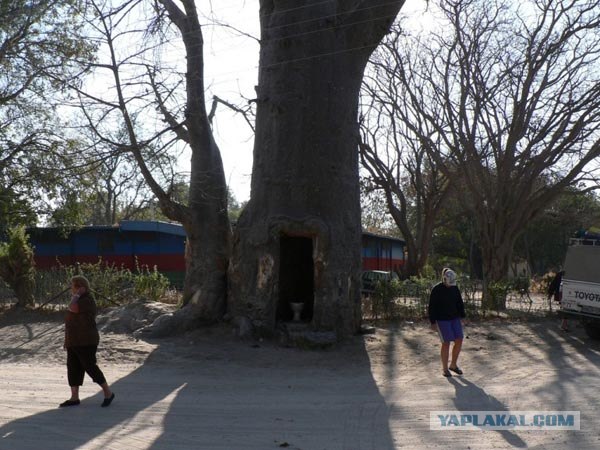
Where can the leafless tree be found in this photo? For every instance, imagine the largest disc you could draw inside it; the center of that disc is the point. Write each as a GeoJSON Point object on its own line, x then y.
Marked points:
{"type": "Point", "coordinates": [397, 161]}
{"type": "Point", "coordinates": [163, 110]}
{"type": "Point", "coordinates": [119, 191]}
{"type": "Point", "coordinates": [510, 93]}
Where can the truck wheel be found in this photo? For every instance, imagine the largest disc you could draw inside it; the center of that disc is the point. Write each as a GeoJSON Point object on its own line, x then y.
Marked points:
{"type": "Point", "coordinates": [592, 330]}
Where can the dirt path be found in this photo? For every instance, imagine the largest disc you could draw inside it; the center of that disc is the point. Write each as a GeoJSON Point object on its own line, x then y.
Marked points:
{"type": "Point", "coordinates": [207, 390]}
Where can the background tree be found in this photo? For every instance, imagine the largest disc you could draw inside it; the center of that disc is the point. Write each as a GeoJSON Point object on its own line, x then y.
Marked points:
{"type": "Point", "coordinates": [139, 85]}
{"type": "Point", "coordinates": [512, 91]}
{"type": "Point", "coordinates": [14, 210]}
{"type": "Point", "coordinates": [150, 209]}
{"type": "Point", "coordinates": [375, 217]}
{"type": "Point", "coordinates": [119, 191]}
{"type": "Point", "coordinates": [235, 208]}
{"type": "Point", "coordinates": [39, 41]}
{"type": "Point", "coordinates": [396, 159]}
{"type": "Point", "coordinates": [17, 266]}
{"type": "Point", "coordinates": [455, 240]}
{"type": "Point", "coordinates": [544, 242]}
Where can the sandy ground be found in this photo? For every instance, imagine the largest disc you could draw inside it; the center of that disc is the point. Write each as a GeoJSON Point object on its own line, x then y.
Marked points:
{"type": "Point", "coordinates": [209, 390]}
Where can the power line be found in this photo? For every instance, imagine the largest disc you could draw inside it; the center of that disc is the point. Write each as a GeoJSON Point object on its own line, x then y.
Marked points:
{"type": "Point", "coordinates": [283, 11]}
{"type": "Point", "coordinates": [333, 27]}
{"type": "Point", "coordinates": [297, 8]}
{"type": "Point", "coordinates": [294, 60]}
{"type": "Point", "coordinates": [325, 29]}
{"type": "Point", "coordinates": [315, 19]}
{"type": "Point", "coordinates": [319, 30]}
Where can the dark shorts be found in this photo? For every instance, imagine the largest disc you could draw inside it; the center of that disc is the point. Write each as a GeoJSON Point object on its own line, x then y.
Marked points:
{"type": "Point", "coordinates": [449, 330]}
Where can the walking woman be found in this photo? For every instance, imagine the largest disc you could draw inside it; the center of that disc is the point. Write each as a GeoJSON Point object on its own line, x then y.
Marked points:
{"type": "Point", "coordinates": [81, 342]}
{"type": "Point", "coordinates": [446, 309]}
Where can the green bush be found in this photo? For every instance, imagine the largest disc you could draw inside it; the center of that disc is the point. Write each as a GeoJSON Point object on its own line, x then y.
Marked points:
{"type": "Point", "coordinates": [110, 284]}
{"type": "Point", "coordinates": [470, 291]}
{"type": "Point", "coordinates": [427, 273]}
{"type": "Point", "coordinates": [49, 284]}
{"type": "Point", "coordinates": [150, 284]}
{"type": "Point", "coordinates": [17, 267]}
{"type": "Point", "coordinates": [409, 299]}
{"type": "Point", "coordinates": [383, 298]}
{"type": "Point", "coordinates": [496, 295]}
{"type": "Point", "coordinates": [394, 300]}
{"type": "Point", "coordinates": [117, 285]}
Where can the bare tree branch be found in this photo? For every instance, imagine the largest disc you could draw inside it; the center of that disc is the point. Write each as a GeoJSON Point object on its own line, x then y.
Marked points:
{"type": "Point", "coordinates": [243, 112]}
{"type": "Point", "coordinates": [511, 97]}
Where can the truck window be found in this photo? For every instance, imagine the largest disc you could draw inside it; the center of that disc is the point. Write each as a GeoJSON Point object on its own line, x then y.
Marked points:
{"type": "Point", "coordinates": [581, 263]}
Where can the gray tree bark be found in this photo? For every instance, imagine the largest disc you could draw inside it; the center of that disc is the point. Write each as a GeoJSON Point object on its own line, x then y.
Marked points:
{"type": "Point", "coordinates": [305, 174]}
{"type": "Point", "coordinates": [205, 218]}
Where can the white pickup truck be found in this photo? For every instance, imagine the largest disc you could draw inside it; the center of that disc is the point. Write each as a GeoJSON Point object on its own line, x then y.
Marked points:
{"type": "Point", "coordinates": [580, 286]}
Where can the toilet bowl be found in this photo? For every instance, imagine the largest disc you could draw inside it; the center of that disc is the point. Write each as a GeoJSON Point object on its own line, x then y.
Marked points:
{"type": "Point", "coordinates": [297, 309]}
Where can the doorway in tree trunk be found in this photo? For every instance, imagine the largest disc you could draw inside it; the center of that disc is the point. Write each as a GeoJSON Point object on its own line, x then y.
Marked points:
{"type": "Point", "coordinates": [296, 277]}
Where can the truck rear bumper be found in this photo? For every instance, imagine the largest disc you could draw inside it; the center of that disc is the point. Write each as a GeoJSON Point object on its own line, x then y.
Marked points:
{"type": "Point", "coordinates": [578, 315]}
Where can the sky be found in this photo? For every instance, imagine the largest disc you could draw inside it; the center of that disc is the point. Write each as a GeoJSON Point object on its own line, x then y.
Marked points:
{"type": "Point", "coordinates": [231, 72]}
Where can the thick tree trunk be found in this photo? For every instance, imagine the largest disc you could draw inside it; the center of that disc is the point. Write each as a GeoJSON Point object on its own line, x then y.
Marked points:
{"type": "Point", "coordinates": [299, 238]}
{"type": "Point", "coordinates": [414, 261]}
{"type": "Point", "coordinates": [417, 247]}
{"type": "Point", "coordinates": [205, 218]}
{"type": "Point", "coordinates": [208, 235]}
{"type": "Point", "coordinates": [410, 267]}
{"type": "Point", "coordinates": [24, 292]}
{"type": "Point", "coordinates": [496, 258]}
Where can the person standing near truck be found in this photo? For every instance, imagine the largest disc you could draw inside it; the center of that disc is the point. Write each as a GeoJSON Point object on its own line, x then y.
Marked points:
{"type": "Point", "coordinates": [554, 291]}
{"type": "Point", "coordinates": [446, 309]}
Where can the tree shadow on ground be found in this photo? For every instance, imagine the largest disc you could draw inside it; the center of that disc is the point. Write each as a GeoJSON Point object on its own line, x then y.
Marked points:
{"type": "Point", "coordinates": [274, 397]}
{"type": "Point", "coordinates": [575, 360]}
{"type": "Point", "coordinates": [236, 395]}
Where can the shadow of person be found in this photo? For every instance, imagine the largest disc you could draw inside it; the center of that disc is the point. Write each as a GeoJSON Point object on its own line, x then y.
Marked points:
{"type": "Point", "coordinates": [88, 425]}
{"type": "Point", "coordinates": [236, 397]}
{"type": "Point", "coordinates": [470, 397]}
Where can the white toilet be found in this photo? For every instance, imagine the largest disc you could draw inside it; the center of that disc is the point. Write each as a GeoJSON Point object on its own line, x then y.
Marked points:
{"type": "Point", "coordinates": [297, 309]}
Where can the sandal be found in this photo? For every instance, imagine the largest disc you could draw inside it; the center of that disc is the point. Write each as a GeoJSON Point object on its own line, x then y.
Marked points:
{"type": "Point", "coordinates": [108, 400]}
{"type": "Point", "coordinates": [69, 403]}
{"type": "Point", "coordinates": [446, 373]}
{"type": "Point", "coordinates": [456, 370]}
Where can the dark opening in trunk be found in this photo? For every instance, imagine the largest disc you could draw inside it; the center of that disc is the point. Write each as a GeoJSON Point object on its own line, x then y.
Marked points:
{"type": "Point", "coordinates": [296, 277]}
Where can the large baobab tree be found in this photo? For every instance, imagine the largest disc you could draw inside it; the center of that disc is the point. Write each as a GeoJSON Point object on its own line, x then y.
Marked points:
{"type": "Point", "coordinates": [512, 92]}
{"type": "Point", "coordinates": [305, 192]}
{"type": "Point", "coordinates": [299, 237]}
